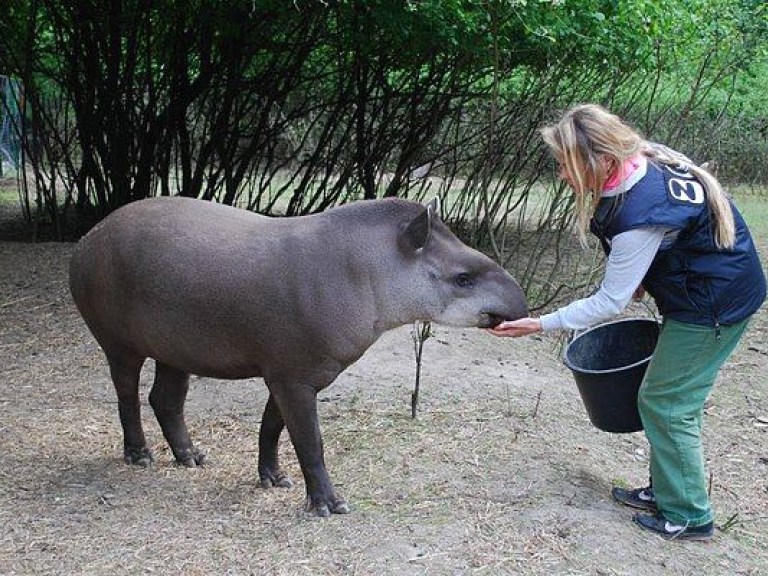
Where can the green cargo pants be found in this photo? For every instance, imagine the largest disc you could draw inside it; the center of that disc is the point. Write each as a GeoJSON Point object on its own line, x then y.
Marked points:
{"type": "Point", "coordinates": [671, 402]}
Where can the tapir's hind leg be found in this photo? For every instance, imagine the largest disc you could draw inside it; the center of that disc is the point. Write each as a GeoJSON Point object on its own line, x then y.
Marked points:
{"type": "Point", "coordinates": [167, 400]}
{"type": "Point", "coordinates": [125, 371]}
{"type": "Point", "coordinates": [269, 434]}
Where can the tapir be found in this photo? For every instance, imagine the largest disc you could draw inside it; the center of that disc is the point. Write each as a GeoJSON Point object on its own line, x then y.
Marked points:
{"type": "Point", "coordinates": [222, 292]}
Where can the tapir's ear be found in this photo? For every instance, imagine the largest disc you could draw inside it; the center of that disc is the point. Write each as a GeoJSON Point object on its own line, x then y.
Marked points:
{"type": "Point", "coordinates": [434, 206]}
{"type": "Point", "coordinates": [418, 231]}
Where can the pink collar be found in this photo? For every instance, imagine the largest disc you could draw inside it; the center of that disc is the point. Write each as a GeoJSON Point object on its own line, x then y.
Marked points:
{"type": "Point", "coordinates": [628, 168]}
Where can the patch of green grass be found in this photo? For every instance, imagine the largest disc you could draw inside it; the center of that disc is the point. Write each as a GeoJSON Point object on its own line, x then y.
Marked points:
{"type": "Point", "coordinates": [754, 207]}
{"type": "Point", "coordinates": [620, 482]}
{"type": "Point", "coordinates": [8, 195]}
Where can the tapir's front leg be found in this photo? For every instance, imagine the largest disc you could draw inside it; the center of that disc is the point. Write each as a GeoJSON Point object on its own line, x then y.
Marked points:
{"type": "Point", "coordinates": [298, 406]}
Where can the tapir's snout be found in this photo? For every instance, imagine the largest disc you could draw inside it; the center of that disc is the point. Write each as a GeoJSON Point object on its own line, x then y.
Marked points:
{"type": "Point", "coordinates": [493, 319]}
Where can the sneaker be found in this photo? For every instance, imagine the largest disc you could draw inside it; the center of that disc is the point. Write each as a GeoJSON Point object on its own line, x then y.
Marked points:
{"type": "Point", "coordinates": [664, 528]}
{"type": "Point", "coordinates": [640, 498]}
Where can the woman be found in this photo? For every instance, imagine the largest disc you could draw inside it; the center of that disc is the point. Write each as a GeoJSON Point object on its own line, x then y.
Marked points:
{"type": "Point", "coordinates": [667, 227]}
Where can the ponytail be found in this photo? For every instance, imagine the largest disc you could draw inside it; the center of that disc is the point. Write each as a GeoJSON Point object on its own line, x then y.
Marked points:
{"type": "Point", "coordinates": [717, 200]}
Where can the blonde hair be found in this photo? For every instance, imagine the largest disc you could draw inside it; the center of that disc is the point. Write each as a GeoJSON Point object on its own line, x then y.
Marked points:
{"type": "Point", "coordinates": [590, 143]}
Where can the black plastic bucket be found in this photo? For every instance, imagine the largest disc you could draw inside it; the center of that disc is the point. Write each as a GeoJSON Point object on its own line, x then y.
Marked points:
{"type": "Point", "coordinates": [608, 363]}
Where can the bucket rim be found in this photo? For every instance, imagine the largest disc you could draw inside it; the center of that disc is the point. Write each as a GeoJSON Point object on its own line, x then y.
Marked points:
{"type": "Point", "coordinates": [640, 362]}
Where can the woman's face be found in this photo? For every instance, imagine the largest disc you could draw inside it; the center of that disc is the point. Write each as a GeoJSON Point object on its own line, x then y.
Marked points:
{"type": "Point", "coordinates": [605, 164]}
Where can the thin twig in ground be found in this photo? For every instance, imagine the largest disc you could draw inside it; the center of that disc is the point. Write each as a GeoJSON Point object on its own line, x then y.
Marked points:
{"type": "Point", "coordinates": [536, 406]}
{"type": "Point", "coordinates": [735, 520]}
{"type": "Point", "coordinates": [421, 332]}
{"type": "Point", "coordinates": [16, 301]}
{"type": "Point", "coordinates": [730, 522]}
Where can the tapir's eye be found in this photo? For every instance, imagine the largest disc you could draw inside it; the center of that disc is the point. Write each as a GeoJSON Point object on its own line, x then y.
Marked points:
{"type": "Point", "coordinates": [464, 280]}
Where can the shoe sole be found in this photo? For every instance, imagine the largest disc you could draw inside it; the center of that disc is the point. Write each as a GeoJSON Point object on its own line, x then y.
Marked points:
{"type": "Point", "coordinates": [680, 536]}
{"type": "Point", "coordinates": [649, 507]}
{"type": "Point", "coordinates": [690, 537]}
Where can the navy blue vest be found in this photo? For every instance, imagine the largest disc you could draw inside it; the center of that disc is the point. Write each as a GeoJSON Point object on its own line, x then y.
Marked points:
{"type": "Point", "coordinates": [690, 279]}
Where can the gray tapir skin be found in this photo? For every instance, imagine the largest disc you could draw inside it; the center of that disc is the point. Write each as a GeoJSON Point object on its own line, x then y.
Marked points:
{"type": "Point", "coordinates": [216, 291]}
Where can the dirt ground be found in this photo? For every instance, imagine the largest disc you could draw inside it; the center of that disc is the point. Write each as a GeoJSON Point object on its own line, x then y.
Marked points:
{"type": "Point", "coordinates": [502, 472]}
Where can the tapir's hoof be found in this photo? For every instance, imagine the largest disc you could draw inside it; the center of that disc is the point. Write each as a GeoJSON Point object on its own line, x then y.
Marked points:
{"type": "Point", "coordinates": [325, 509]}
{"type": "Point", "coordinates": [138, 456]}
{"type": "Point", "coordinates": [340, 508]}
{"type": "Point", "coordinates": [275, 480]}
{"type": "Point", "coordinates": [190, 458]}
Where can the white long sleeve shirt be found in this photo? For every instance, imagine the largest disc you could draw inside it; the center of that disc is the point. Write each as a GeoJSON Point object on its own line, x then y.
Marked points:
{"type": "Point", "coordinates": [631, 255]}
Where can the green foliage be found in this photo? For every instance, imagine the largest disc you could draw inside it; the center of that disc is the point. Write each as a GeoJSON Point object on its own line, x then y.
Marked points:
{"type": "Point", "coordinates": [216, 99]}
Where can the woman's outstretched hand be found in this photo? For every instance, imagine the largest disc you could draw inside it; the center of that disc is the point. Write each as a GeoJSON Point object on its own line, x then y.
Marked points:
{"type": "Point", "coordinates": [516, 328]}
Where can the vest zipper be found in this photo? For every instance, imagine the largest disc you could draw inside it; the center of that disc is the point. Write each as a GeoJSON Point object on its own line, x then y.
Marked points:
{"type": "Point", "coordinates": [714, 308]}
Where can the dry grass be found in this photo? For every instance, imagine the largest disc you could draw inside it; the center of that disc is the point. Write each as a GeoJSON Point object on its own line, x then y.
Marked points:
{"type": "Point", "coordinates": [500, 474]}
